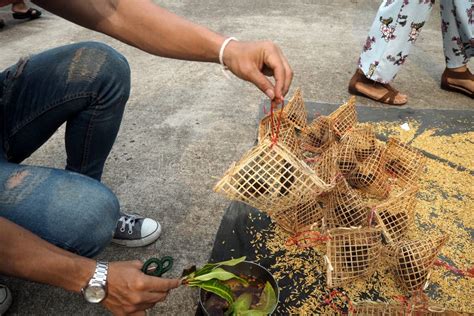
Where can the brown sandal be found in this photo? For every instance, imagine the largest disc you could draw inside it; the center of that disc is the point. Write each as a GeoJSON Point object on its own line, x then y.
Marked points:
{"type": "Point", "coordinates": [445, 85]}
{"type": "Point", "coordinates": [387, 98]}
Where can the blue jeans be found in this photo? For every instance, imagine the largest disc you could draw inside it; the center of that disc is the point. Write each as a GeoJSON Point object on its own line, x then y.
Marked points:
{"type": "Point", "coordinates": [86, 86]}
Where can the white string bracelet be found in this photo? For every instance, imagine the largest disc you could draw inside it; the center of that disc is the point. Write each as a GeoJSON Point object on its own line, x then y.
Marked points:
{"type": "Point", "coordinates": [221, 55]}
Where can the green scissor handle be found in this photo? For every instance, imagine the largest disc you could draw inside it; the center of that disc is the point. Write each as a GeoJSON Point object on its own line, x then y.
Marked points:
{"type": "Point", "coordinates": [157, 267]}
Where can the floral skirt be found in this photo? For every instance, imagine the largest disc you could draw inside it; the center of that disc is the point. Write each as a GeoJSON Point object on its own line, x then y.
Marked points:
{"type": "Point", "coordinates": [397, 26]}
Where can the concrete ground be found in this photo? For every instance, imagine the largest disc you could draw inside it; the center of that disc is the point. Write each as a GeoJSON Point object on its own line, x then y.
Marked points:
{"type": "Point", "coordinates": [185, 123]}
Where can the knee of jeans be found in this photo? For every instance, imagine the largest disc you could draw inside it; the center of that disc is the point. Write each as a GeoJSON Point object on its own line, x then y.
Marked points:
{"type": "Point", "coordinates": [111, 68]}
{"type": "Point", "coordinates": [98, 220]}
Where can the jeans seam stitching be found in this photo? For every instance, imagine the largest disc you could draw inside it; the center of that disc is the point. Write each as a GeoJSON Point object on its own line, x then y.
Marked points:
{"type": "Point", "coordinates": [30, 118]}
{"type": "Point", "coordinates": [87, 137]}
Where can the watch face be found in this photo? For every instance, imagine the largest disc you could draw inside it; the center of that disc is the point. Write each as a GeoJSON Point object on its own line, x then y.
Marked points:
{"type": "Point", "coordinates": [94, 293]}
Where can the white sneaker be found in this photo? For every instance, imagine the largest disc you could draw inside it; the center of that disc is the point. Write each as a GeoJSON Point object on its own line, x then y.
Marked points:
{"type": "Point", "coordinates": [136, 231]}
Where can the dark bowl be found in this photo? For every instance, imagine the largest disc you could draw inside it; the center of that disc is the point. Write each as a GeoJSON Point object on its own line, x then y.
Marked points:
{"type": "Point", "coordinates": [251, 269]}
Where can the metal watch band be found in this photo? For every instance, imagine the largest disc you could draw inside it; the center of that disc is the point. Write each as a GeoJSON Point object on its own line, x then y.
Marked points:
{"type": "Point", "coordinates": [100, 274]}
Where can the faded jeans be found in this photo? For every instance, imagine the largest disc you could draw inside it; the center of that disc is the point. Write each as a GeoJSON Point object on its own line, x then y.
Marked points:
{"type": "Point", "coordinates": [86, 86]}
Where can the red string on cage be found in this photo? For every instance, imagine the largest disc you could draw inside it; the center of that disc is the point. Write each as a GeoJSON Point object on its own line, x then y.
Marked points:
{"type": "Point", "coordinates": [371, 216]}
{"type": "Point", "coordinates": [464, 273]}
{"type": "Point", "coordinates": [418, 304]}
{"type": "Point", "coordinates": [330, 300]}
{"type": "Point", "coordinates": [313, 159]}
{"type": "Point", "coordinates": [275, 132]}
{"type": "Point", "coordinates": [418, 300]}
{"type": "Point", "coordinates": [307, 238]}
{"type": "Point", "coordinates": [338, 176]}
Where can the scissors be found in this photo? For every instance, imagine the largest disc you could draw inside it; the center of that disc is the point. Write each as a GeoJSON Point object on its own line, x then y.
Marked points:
{"type": "Point", "coordinates": [157, 267]}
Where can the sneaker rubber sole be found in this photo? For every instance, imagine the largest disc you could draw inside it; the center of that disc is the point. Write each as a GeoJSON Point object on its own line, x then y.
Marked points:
{"type": "Point", "coordinates": [5, 299]}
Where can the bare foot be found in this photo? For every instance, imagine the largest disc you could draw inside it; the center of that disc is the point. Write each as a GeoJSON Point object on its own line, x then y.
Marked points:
{"type": "Point", "coordinates": [466, 83]}
{"type": "Point", "coordinates": [21, 11]}
{"type": "Point", "coordinates": [19, 7]}
{"type": "Point", "coordinates": [377, 91]}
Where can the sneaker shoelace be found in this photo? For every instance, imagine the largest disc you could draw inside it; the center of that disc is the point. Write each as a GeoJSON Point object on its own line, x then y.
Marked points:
{"type": "Point", "coordinates": [128, 220]}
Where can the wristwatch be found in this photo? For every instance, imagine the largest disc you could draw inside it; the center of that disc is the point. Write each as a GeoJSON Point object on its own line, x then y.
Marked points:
{"type": "Point", "coordinates": [96, 290]}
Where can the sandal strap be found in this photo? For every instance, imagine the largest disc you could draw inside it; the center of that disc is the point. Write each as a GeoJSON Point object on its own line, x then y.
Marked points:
{"type": "Point", "coordinates": [388, 97]}
{"type": "Point", "coordinates": [390, 88]}
{"type": "Point", "coordinates": [386, 86]}
{"type": "Point", "coordinates": [362, 78]}
{"type": "Point", "coordinates": [458, 75]}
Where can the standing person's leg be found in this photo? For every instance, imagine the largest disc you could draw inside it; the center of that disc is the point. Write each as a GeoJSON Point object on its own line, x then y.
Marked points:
{"type": "Point", "coordinates": [85, 85]}
{"type": "Point", "coordinates": [395, 29]}
{"type": "Point", "coordinates": [457, 26]}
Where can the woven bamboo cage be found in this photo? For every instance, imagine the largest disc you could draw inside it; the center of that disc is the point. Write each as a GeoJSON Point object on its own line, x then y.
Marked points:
{"type": "Point", "coordinates": [344, 118]}
{"type": "Point", "coordinates": [370, 175]}
{"type": "Point", "coordinates": [352, 253]}
{"type": "Point", "coordinates": [396, 214]}
{"type": "Point", "coordinates": [317, 136]}
{"type": "Point", "coordinates": [346, 158]}
{"type": "Point", "coordinates": [296, 110]}
{"type": "Point", "coordinates": [412, 261]}
{"type": "Point", "coordinates": [302, 217]}
{"type": "Point", "coordinates": [326, 166]}
{"type": "Point", "coordinates": [404, 162]}
{"type": "Point", "coordinates": [370, 308]}
{"type": "Point", "coordinates": [362, 140]}
{"type": "Point", "coordinates": [285, 130]}
{"type": "Point", "coordinates": [269, 177]}
{"type": "Point", "coordinates": [345, 207]}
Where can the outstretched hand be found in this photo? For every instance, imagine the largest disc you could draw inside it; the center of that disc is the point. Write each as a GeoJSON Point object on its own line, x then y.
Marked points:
{"type": "Point", "coordinates": [253, 61]}
{"type": "Point", "coordinates": [130, 291]}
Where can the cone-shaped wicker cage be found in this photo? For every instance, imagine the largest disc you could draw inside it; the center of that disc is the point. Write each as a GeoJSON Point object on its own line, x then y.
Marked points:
{"type": "Point", "coordinates": [296, 110]}
{"type": "Point", "coordinates": [370, 308]}
{"type": "Point", "coordinates": [302, 217]}
{"type": "Point", "coordinates": [326, 166]}
{"type": "Point", "coordinates": [284, 129]}
{"type": "Point", "coordinates": [352, 253]}
{"type": "Point", "coordinates": [318, 135]}
{"type": "Point", "coordinates": [362, 141]}
{"type": "Point", "coordinates": [269, 177]}
{"type": "Point", "coordinates": [370, 176]}
{"type": "Point", "coordinates": [404, 162]}
{"type": "Point", "coordinates": [344, 118]}
{"type": "Point", "coordinates": [346, 158]}
{"type": "Point", "coordinates": [396, 214]}
{"type": "Point", "coordinates": [413, 259]}
{"type": "Point", "coordinates": [345, 207]}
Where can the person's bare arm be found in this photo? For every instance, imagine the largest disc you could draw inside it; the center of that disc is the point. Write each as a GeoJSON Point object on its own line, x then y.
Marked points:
{"type": "Point", "coordinates": [27, 256]}
{"type": "Point", "coordinates": [146, 26]}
